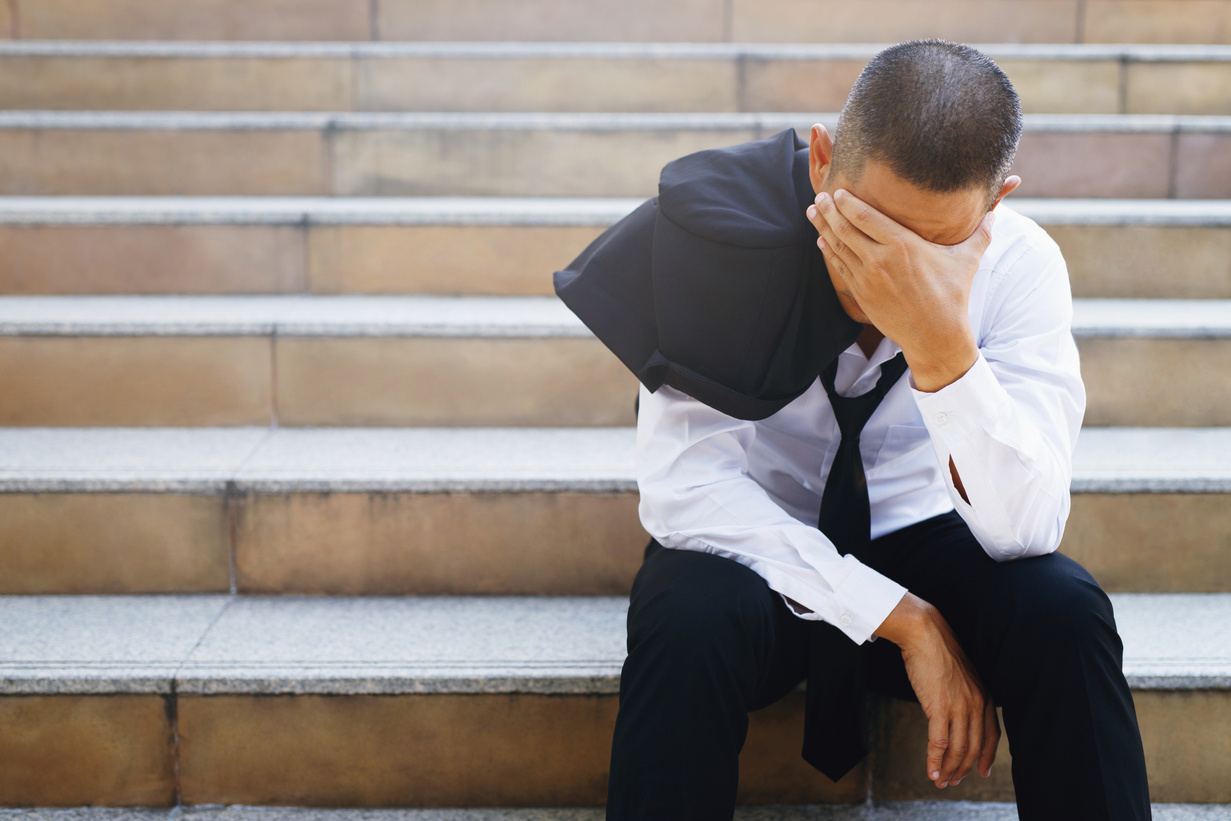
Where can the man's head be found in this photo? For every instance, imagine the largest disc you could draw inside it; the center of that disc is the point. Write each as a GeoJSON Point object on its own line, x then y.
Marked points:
{"type": "Point", "coordinates": [940, 115]}
{"type": "Point", "coordinates": [927, 137]}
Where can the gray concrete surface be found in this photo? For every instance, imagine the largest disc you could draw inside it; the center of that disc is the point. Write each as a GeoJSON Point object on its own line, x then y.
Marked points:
{"type": "Point", "coordinates": [598, 460]}
{"type": "Point", "coordinates": [887, 811]}
{"type": "Point", "coordinates": [599, 211]}
{"type": "Point", "coordinates": [439, 644]}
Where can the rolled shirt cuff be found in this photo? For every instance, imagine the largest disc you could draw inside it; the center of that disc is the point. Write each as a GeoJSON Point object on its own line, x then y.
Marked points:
{"type": "Point", "coordinates": [857, 607]}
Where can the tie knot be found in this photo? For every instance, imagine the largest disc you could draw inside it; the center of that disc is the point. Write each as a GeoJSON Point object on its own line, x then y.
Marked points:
{"type": "Point", "coordinates": [853, 412]}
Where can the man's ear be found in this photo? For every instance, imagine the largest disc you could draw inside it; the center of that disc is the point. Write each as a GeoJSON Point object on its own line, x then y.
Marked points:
{"type": "Point", "coordinates": [1010, 184]}
{"type": "Point", "coordinates": [820, 155]}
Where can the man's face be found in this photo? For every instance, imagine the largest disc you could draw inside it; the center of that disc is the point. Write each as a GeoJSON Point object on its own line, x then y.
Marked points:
{"type": "Point", "coordinates": [946, 218]}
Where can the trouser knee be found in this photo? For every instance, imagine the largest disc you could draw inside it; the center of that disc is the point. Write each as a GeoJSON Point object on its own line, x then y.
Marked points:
{"type": "Point", "coordinates": [1055, 598]}
{"type": "Point", "coordinates": [699, 615]}
{"type": "Point", "coordinates": [1050, 615]}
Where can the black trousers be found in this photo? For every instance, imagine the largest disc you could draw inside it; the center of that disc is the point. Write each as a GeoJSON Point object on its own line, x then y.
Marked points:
{"type": "Point", "coordinates": [709, 641]}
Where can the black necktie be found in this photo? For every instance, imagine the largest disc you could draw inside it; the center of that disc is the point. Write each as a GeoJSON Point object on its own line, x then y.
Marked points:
{"type": "Point", "coordinates": [833, 712]}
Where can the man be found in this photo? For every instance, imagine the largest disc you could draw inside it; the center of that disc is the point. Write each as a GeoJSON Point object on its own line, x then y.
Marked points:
{"type": "Point", "coordinates": [946, 587]}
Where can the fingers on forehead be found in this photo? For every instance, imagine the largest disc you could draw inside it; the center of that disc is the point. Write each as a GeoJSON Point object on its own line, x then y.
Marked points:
{"type": "Point", "coordinates": [831, 214]}
{"type": "Point", "coordinates": [843, 227]}
{"type": "Point", "coordinates": [864, 216]}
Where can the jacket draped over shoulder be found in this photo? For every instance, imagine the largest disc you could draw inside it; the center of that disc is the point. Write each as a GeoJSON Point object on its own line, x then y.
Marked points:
{"type": "Point", "coordinates": [716, 286]}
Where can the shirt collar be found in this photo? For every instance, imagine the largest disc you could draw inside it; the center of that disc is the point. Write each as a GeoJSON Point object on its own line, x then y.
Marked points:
{"type": "Point", "coordinates": [886, 350]}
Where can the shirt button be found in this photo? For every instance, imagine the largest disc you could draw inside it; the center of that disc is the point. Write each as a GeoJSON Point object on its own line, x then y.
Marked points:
{"type": "Point", "coordinates": [845, 620]}
{"type": "Point", "coordinates": [940, 418]}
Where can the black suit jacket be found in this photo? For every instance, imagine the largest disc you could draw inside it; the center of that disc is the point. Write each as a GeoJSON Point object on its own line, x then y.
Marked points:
{"type": "Point", "coordinates": [716, 286]}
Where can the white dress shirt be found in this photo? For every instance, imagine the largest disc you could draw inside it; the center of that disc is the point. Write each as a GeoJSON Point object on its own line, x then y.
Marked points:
{"type": "Point", "coordinates": [751, 491]}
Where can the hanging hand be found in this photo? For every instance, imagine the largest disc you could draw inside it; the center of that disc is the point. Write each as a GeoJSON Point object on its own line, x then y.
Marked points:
{"type": "Point", "coordinates": [963, 729]}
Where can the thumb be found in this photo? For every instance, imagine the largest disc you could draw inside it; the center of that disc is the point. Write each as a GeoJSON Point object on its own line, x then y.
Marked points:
{"type": "Point", "coordinates": [991, 737]}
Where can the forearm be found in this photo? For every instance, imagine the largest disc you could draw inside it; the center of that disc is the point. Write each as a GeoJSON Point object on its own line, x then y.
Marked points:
{"type": "Point", "coordinates": [794, 559]}
{"type": "Point", "coordinates": [1006, 458]}
{"type": "Point", "coordinates": [697, 494]}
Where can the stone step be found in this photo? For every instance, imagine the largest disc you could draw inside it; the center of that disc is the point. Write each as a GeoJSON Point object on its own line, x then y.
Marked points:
{"type": "Point", "coordinates": [483, 246]}
{"type": "Point", "coordinates": [874, 21]}
{"type": "Point", "coordinates": [598, 77]}
{"type": "Point", "coordinates": [868, 811]}
{"type": "Point", "coordinates": [533, 154]}
{"type": "Point", "coordinates": [464, 701]}
{"type": "Point", "coordinates": [426, 360]}
{"type": "Point", "coordinates": [444, 511]}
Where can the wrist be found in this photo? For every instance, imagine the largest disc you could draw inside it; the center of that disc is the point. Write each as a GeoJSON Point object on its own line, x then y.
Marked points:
{"type": "Point", "coordinates": [910, 622]}
{"type": "Point", "coordinates": [934, 366]}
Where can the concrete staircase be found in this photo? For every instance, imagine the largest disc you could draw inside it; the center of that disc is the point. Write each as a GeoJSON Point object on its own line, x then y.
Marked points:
{"type": "Point", "coordinates": [530, 154]}
{"type": "Point", "coordinates": [311, 495]}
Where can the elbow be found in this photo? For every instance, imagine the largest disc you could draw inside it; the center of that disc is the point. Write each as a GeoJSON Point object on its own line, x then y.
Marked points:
{"type": "Point", "coordinates": [1028, 540]}
{"type": "Point", "coordinates": [1023, 549]}
{"type": "Point", "coordinates": [664, 516]}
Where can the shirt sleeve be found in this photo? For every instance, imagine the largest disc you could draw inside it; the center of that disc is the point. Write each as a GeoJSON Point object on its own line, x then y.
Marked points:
{"type": "Point", "coordinates": [696, 495]}
{"type": "Point", "coordinates": [1010, 424]}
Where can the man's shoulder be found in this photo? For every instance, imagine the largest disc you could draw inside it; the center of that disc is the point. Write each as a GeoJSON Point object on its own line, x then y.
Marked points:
{"type": "Point", "coordinates": [1018, 240]}
{"type": "Point", "coordinates": [1023, 269]}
